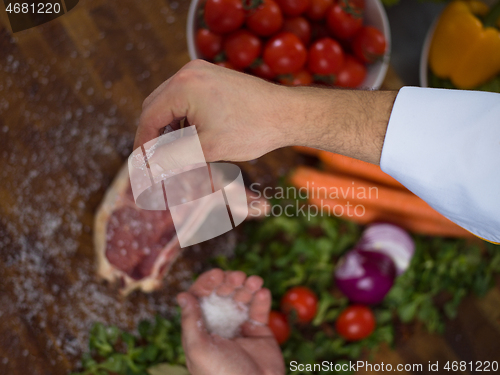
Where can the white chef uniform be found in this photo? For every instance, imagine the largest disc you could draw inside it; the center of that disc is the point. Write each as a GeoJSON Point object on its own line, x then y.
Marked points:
{"type": "Point", "coordinates": [444, 146]}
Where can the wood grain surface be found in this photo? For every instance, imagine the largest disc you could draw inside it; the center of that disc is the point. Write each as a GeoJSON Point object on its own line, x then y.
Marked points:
{"type": "Point", "coordinates": [70, 96]}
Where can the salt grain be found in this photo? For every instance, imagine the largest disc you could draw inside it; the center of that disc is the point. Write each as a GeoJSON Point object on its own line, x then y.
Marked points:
{"type": "Point", "coordinates": [223, 316]}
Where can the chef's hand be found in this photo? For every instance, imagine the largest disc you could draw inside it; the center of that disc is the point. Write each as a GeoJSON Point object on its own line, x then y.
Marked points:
{"type": "Point", "coordinates": [240, 117]}
{"type": "Point", "coordinates": [256, 352]}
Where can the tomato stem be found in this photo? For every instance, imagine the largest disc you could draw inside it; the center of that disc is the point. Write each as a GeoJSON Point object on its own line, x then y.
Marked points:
{"type": "Point", "coordinates": [351, 9]}
{"type": "Point", "coordinates": [220, 57]}
{"type": "Point", "coordinates": [252, 4]}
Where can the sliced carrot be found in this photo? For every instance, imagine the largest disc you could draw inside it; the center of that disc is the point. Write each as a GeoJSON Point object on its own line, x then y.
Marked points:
{"type": "Point", "coordinates": [329, 186]}
{"type": "Point", "coordinates": [346, 165]}
{"type": "Point", "coordinates": [381, 203]}
{"type": "Point", "coordinates": [366, 215]}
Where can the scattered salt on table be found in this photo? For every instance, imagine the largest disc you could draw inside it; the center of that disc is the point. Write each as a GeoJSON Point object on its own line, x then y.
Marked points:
{"type": "Point", "coordinates": [223, 316]}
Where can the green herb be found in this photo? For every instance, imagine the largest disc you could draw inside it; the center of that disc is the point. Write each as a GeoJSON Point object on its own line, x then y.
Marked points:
{"type": "Point", "coordinates": [442, 270]}
{"type": "Point", "coordinates": [289, 251]}
{"type": "Point", "coordinates": [117, 351]}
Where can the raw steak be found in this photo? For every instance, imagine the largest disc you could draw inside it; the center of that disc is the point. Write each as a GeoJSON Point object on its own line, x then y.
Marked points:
{"type": "Point", "coordinates": [137, 247]}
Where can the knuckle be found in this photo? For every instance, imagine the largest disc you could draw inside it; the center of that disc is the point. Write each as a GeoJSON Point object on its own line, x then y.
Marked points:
{"type": "Point", "coordinates": [198, 63]}
{"type": "Point", "coordinates": [193, 71]}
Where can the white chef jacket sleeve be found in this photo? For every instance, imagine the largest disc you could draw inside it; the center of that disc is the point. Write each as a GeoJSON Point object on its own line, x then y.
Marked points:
{"type": "Point", "coordinates": [444, 146]}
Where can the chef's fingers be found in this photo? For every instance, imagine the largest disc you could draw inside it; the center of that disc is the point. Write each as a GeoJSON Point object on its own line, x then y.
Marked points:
{"type": "Point", "coordinates": [251, 329]}
{"type": "Point", "coordinates": [235, 278]}
{"type": "Point", "coordinates": [254, 283]}
{"type": "Point", "coordinates": [169, 103]}
{"type": "Point", "coordinates": [243, 295]}
{"type": "Point", "coordinates": [256, 326]}
{"type": "Point", "coordinates": [207, 282]}
{"type": "Point", "coordinates": [155, 93]}
{"type": "Point", "coordinates": [232, 281]}
{"type": "Point", "coordinates": [260, 306]}
{"type": "Point", "coordinates": [175, 155]}
{"type": "Point", "coordinates": [193, 329]}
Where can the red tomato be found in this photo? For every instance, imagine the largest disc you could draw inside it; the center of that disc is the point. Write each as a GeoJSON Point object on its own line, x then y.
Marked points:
{"type": "Point", "coordinates": [224, 16]}
{"type": "Point", "coordinates": [317, 9]}
{"type": "Point", "coordinates": [294, 8]}
{"type": "Point", "coordinates": [344, 21]}
{"type": "Point", "coordinates": [242, 48]}
{"type": "Point", "coordinates": [302, 78]}
{"type": "Point", "coordinates": [300, 27]}
{"type": "Point", "coordinates": [325, 57]}
{"type": "Point", "coordinates": [303, 301]}
{"type": "Point", "coordinates": [263, 71]}
{"type": "Point", "coordinates": [352, 74]}
{"type": "Point", "coordinates": [209, 44]}
{"type": "Point", "coordinates": [285, 53]}
{"type": "Point", "coordinates": [278, 323]}
{"type": "Point", "coordinates": [266, 19]}
{"type": "Point", "coordinates": [355, 323]}
{"type": "Point", "coordinates": [369, 44]}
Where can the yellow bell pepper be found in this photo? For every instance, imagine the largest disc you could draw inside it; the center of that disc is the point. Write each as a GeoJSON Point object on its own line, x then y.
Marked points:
{"type": "Point", "coordinates": [464, 49]}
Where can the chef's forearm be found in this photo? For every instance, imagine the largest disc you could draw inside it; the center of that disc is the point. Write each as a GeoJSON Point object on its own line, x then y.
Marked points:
{"type": "Point", "coordinates": [348, 122]}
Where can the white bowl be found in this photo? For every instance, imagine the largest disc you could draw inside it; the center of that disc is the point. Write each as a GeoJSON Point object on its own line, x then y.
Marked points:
{"type": "Point", "coordinates": [424, 56]}
{"type": "Point", "coordinates": [374, 16]}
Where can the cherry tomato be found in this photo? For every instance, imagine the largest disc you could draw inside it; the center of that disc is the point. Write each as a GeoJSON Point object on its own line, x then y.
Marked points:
{"type": "Point", "coordinates": [303, 301]}
{"type": "Point", "coordinates": [278, 323]}
{"type": "Point", "coordinates": [352, 74]}
{"type": "Point", "coordinates": [209, 44]}
{"type": "Point", "coordinates": [344, 20]}
{"type": "Point", "coordinates": [266, 19]}
{"type": "Point", "coordinates": [355, 323]}
{"type": "Point", "coordinates": [317, 9]}
{"type": "Point", "coordinates": [285, 53]}
{"type": "Point", "coordinates": [300, 27]}
{"type": "Point", "coordinates": [293, 8]}
{"type": "Point", "coordinates": [302, 78]}
{"type": "Point", "coordinates": [369, 44]}
{"type": "Point", "coordinates": [242, 48]}
{"type": "Point", "coordinates": [263, 71]}
{"type": "Point", "coordinates": [325, 57]}
{"type": "Point", "coordinates": [224, 16]}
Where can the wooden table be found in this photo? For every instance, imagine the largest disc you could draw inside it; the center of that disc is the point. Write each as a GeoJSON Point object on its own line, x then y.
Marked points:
{"type": "Point", "coordinates": [70, 96]}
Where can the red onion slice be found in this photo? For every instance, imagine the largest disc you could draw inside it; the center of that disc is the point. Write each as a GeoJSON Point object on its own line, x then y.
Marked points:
{"type": "Point", "coordinates": [391, 240]}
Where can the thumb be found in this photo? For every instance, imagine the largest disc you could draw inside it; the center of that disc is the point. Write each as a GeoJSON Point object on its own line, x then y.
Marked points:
{"type": "Point", "coordinates": [173, 152]}
{"type": "Point", "coordinates": [193, 326]}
